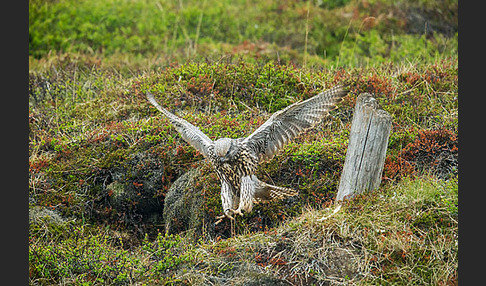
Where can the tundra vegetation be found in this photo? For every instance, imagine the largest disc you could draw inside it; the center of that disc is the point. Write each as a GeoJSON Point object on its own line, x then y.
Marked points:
{"type": "Point", "coordinates": [103, 162]}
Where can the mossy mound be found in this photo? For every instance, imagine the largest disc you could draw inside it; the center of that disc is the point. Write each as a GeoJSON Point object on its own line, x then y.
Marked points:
{"type": "Point", "coordinates": [183, 205]}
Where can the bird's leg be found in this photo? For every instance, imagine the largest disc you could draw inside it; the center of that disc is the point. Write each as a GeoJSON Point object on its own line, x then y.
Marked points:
{"type": "Point", "coordinates": [238, 211]}
{"type": "Point", "coordinates": [227, 213]}
{"type": "Point", "coordinates": [232, 220]}
{"type": "Point", "coordinates": [227, 199]}
{"type": "Point", "coordinates": [247, 194]}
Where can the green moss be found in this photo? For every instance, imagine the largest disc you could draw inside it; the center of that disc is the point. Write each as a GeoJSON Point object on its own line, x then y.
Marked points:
{"type": "Point", "coordinates": [94, 256]}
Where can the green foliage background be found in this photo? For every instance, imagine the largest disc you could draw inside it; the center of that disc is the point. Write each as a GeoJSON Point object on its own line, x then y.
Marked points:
{"type": "Point", "coordinates": [338, 32]}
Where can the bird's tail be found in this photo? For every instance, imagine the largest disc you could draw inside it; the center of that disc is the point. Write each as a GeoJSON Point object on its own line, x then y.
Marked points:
{"type": "Point", "coordinates": [267, 192]}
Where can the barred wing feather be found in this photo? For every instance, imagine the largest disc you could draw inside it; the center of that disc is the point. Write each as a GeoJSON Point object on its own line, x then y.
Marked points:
{"type": "Point", "coordinates": [190, 133]}
{"type": "Point", "coordinates": [288, 123]}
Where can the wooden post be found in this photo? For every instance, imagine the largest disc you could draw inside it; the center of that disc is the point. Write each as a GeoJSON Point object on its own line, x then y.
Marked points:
{"type": "Point", "coordinates": [368, 141]}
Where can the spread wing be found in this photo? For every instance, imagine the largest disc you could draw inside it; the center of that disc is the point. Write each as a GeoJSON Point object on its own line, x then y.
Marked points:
{"type": "Point", "coordinates": [286, 124]}
{"type": "Point", "coordinates": [190, 133]}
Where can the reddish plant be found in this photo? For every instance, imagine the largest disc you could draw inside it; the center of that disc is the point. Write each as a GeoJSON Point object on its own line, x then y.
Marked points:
{"type": "Point", "coordinates": [433, 151]}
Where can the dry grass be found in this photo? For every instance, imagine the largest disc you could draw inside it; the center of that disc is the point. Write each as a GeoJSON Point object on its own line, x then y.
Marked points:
{"type": "Point", "coordinates": [403, 235]}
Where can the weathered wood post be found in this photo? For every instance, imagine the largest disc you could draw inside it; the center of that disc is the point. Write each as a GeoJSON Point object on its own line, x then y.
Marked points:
{"type": "Point", "coordinates": [368, 141]}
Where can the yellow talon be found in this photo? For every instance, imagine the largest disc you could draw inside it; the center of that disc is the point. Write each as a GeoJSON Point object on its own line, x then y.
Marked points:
{"type": "Point", "coordinates": [226, 214]}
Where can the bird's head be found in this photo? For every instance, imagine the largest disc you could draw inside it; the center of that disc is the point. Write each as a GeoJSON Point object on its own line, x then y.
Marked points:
{"type": "Point", "coordinates": [224, 149]}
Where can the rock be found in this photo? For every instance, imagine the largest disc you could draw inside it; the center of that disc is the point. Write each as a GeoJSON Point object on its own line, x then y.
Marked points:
{"type": "Point", "coordinates": [183, 204]}
{"type": "Point", "coordinates": [38, 213]}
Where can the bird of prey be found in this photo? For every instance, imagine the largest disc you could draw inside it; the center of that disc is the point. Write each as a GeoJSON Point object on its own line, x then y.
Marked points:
{"type": "Point", "coordinates": [235, 160]}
